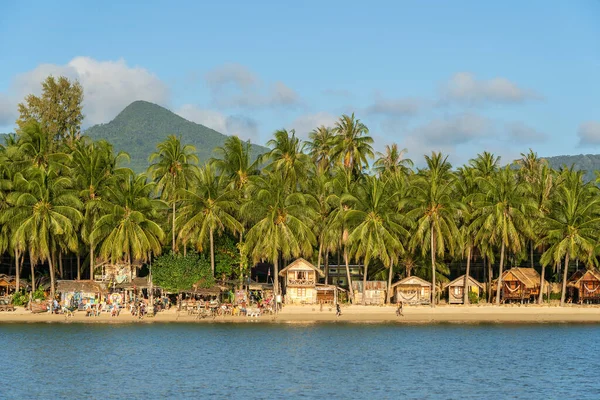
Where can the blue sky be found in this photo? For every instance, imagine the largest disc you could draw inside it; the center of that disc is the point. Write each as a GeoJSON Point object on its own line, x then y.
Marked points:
{"type": "Point", "coordinates": [459, 77]}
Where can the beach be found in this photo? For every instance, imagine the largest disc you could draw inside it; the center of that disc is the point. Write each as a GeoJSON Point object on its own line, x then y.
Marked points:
{"type": "Point", "coordinates": [522, 314]}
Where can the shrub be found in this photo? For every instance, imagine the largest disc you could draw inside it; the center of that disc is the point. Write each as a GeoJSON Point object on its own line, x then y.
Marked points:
{"type": "Point", "coordinates": [473, 298]}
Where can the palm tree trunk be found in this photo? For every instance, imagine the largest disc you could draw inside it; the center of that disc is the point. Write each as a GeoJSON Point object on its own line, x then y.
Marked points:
{"type": "Point", "coordinates": [364, 288]}
{"type": "Point", "coordinates": [389, 287]}
{"type": "Point", "coordinates": [173, 228]}
{"type": "Point", "coordinates": [212, 252]}
{"type": "Point", "coordinates": [17, 270]}
{"type": "Point", "coordinates": [91, 260]}
{"type": "Point", "coordinates": [467, 272]}
{"type": "Point", "coordinates": [541, 297]}
{"type": "Point", "coordinates": [60, 266]}
{"type": "Point", "coordinates": [319, 257]}
{"type": "Point", "coordinates": [326, 267]}
{"type": "Point", "coordinates": [32, 272]}
{"type": "Point", "coordinates": [564, 280]}
{"type": "Point", "coordinates": [531, 254]}
{"type": "Point", "coordinates": [351, 291]}
{"type": "Point", "coordinates": [276, 281]}
{"type": "Point", "coordinates": [129, 265]}
{"type": "Point", "coordinates": [52, 277]}
{"type": "Point", "coordinates": [500, 274]}
{"type": "Point", "coordinates": [432, 267]}
{"type": "Point", "coordinates": [78, 266]}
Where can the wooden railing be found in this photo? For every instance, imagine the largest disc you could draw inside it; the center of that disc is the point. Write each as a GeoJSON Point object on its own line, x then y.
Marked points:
{"type": "Point", "coordinates": [301, 282]}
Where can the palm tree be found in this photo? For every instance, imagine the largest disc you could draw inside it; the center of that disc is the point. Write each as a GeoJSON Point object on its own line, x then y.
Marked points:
{"type": "Point", "coordinates": [466, 189]}
{"type": "Point", "coordinates": [376, 227]}
{"type": "Point", "coordinates": [434, 212]}
{"type": "Point", "coordinates": [128, 229]}
{"type": "Point", "coordinates": [208, 207]}
{"type": "Point", "coordinates": [571, 227]}
{"type": "Point", "coordinates": [172, 167]}
{"type": "Point", "coordinates": [392, 161]}
{"type": "Point", "coordinates": [502, 213]}
{"type": "Point", "coordinates": [320, 147]}
{"type": "Point", "coordinates": [287, 157]}
{"type": "Point", "coordinates": [44, 211]}
{"type": "Point", "coordinates": [282, 221]}
{"type": "Point", "coordinates": [234, 162]}
{"type": "Point", "coordinates": [353, 147]}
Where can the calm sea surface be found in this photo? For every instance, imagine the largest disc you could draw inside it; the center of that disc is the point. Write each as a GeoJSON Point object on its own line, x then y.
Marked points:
{"type": "Point", "coordinates": [348, 361]}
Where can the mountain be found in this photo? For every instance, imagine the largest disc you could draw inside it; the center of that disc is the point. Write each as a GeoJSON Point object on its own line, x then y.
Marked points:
{"type": "Point", "coordinates": [142, 125]}
{"type": "Point", "coordinates": [586, 162]}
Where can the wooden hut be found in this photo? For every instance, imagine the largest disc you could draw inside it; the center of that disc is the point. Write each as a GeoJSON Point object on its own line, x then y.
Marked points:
{"type": "Point", "coordinates": [456, 292]}
{"type": "Point", "coordinates": [412, 290]}
{"type": "Point", "coordinates": [80, 292]}
{"type": "Point", "coordinates": [300, 282]}
{"type": "Point", "coordinates": [374, 292]}
{"type": "Point", "coordinates": [8, 285]}
{"type": "Point", "coordinates": [519, 284]}
{"type": "Point", "coordinates": [584, 286]}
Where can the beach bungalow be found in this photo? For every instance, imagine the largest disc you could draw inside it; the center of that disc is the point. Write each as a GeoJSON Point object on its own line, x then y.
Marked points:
{"type": "Point", "coordinates": [584, 286]}
{"type": "Point", "coordinates": [456, 292]}
{"type": "Point", "coordinates": [301, 281]}
{"type": "Point", "coordinates": [8, 284]}
{"type": "Point", "coordinates": [412, 290]}
{"type": "Point", "coordinates": [374, 292]}
{"type": "Point", "coordinates": [519, 284]}
{"type": "Point", "coordinates": [80, 292]}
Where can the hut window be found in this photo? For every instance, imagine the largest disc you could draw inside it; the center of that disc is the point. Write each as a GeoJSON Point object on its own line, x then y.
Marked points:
{"type": "Point", "coordinates": [301, 292]}
{"type": "Point", "coordinates": [301, 275]}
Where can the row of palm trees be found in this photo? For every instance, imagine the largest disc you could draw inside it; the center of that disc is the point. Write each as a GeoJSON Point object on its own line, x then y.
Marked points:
{"type": "Point", "coordinates": [317, 199]}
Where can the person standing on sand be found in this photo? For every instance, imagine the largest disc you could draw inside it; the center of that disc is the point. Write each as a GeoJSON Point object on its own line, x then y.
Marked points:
{"type": "Point", "coordinates": [400, 310]}
{"type": "Point", "coordinates": [338, 310]}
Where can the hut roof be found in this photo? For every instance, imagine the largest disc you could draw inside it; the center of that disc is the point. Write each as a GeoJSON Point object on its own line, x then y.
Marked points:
{"type": "Point", "coordinates": [585, 275]}
{"type": "Point", "coordinates": [461, 280]}
{"type": "Point", "coordinates": [412, 281]}
{"type": "Point", "coordinates": [370, 285]}
{"type": "Point", "coordinates": [528, 276]}
{"type": "Point", "coordinates": [260, 286]}
{"type": "Point", "coordinates": [80, 286]}
{"type": "Point", "coordinates": [301, 262]}
{"type": "Point", "coordinates": [140, 283]}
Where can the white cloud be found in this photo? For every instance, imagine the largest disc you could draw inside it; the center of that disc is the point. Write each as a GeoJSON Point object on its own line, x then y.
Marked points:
{"type": "Point", "coordinates": [452, 131]}
{"type": "Point", "coordinates": [304, 124]}
{"type": "Point", "coordinates": [244, 127]}
{"type": "Point", "coordinates": [8, 111]}
{"type": "Point", "coordinates": [521, 133]}
{"type": "Point", "coordinates": [589, 133]}
{"type": "Point", "coordinates": [401, 107]}
{"type": "Point", "coordinates": [109, 86]}
{"type": "Point", "coordinates": [235, 86]}
{"type": "Point", "coordinates": [464, 87]}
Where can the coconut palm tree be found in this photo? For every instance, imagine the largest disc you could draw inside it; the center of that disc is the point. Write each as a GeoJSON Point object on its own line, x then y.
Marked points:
{"type": "Point", "coordinates": [466, 189]}
{"type": "Point", "coordinates": [287, 157]}
{"type": "Point", "coordinates": [44, 211]}
{"type": "Point", "coordinates": [320, 146]}
{"type": "Point", "coordinates": [571, 228]}
{"type": "Point", "coordinates": [207, 207]}
{"type": "Point", "coordinates": [234, 161]}
{"type": "Point", "coordinates": [502, 215]}
{"type": "Point", "coordinates": [353, 147]}
{"type": "Point", "coordinates": [282, 221]}
{"type": "Point", "coordinates": [392, 161]}
{"type": "Point", "coordinates": [434, 211]}
{"type": "Point", "coordinates": [375, 226]}
{"type": "Point", "coordinates": [172, 166]}
{"type": "Point", "coordinates": [128, 229]}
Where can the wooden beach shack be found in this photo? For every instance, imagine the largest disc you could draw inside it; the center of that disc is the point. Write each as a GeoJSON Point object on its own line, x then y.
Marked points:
{"type": "Point", "coordinates": [8, 285]}
{"type": "Point", "coordinates": [301, 279]}
{"type": "Point", "coordinates": [412, 290]}
{"type": "Point", "coordinates": [584, 286]}
{"type": "Point", "coordinates": [456, 289]}
{"type": "Point", "coordinates": [374, 292]}
{"type": "Point", "coordinates": [80, 292]}
{"type": "Point", "coordinates": [519, 284]}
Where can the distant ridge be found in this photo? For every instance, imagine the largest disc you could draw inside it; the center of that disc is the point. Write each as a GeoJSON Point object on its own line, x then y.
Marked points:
{"type": "Point", "coordinates": [581, 162]}
{"type": "Point", "coordinates": [142, 125]}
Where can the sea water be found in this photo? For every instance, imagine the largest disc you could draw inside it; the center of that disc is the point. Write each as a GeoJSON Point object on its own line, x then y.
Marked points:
{"type": "Point", "coordinates": [266, 361]}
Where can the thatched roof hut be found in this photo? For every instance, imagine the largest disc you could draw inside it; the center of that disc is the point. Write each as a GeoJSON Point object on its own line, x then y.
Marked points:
{"type": "Point", "coordinates": [519, 284]}
{"type": "Point", "coordinates": [301, 278]}
{"type": "Point", "coordinates": [584, 286]}
{"type": "Point", "coordinates": [374, 292]}
{"type": "Point", "coordinates": [456, 292]}
{"type": "Point", "coordinates": [136, 283]}
{"type": "Point", "coordinates": [80, 286]}
{"type": "Point", "coordinates": [412, 290]}
{"type": "Point", "coordinates": [8, 284]}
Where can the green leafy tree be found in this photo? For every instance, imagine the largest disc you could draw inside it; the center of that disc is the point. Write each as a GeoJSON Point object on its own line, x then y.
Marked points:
{"type": "Point", "coordinates": [177, 272]}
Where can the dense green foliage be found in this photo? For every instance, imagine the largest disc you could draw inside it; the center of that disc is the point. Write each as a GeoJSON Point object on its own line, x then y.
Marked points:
{"type": "Point", "coordinates": [141, 126]}
{"type": "Point", "coordinates": [175, 272]}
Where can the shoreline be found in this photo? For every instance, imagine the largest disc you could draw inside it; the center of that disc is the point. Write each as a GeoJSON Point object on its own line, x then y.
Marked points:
{"type": "Point", "coordinates": [455, 314]}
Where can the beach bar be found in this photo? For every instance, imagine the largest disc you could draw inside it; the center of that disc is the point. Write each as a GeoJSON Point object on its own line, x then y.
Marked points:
{"type": "Point", "coordinates": [80, 292]}
{"type": "Point", "coordinates": [300, 282]}
{"type": "Point", "coordinates": [584, 286]}
{"type": "Point", "coordinates": [456, 289]}
{"type": "Point", "coordinates": [412, 290]}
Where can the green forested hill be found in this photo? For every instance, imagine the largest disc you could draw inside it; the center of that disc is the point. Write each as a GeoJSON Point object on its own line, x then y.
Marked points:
{"type": "Point", "coordinates": [142, 125]}
{"type": "Point", "coordinates": [585, 162]}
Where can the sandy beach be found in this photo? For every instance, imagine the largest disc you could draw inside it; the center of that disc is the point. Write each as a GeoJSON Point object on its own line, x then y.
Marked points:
{"type": "Point", "coordinates": [359, 314]}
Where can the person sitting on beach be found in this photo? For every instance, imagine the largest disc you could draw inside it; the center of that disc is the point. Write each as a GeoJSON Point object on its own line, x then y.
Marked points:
{"type": "Point", "coordinates": [115, 311]}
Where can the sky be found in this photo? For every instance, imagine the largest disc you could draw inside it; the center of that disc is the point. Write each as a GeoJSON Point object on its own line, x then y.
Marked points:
{"type": "Point", "coordinates": [459, 77]}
